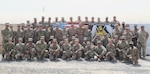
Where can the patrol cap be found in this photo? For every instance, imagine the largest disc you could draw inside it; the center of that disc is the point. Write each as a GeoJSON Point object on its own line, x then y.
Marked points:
{"type": "Point", "coordinates": [127, 28]}
{"type": "Point", "coordinates": [40, 25]}
{"type": "Point", "coordinates": [98, 42]}
{"type": "Point", "coordinates": [85, 38]}
{"type": "Point", "coordinates": [142, 26]}
{"type": "Point", "coordinates": [64, 37]}
{"type": "Point", "coordinates": [123, 22]}
{"type": "Point", "coordinates": [127, 25]}
{"type": "Point", "coordinates": [9, 39]}
{"type": "Point", "coordinates": [51, 37]}
{"type": "Point", "coordinates": [76, 39]}
{"type": "Point", "coordinates": [73, 37]}
{"type": "Point", "coordinates": [42, 37]}
{"type": "Point", "coordinates": [20, 39]}
{"type": "Point", "coordinates": [55, 40]}
{"type": "Point", "coordinates": [135, 24]}
{"type": "Point", "coordinates": [122, 37]}
{"type": "Point", "coordinates": [130, 42]}
{"type": "Point", "coordinates": [109, 39]}
{"type": "Point", "coordinates": [18, 25]}
{"type": "Point", "coordinates": [30, 39]}
{"type": "Point", "coordinates": [7, 24]}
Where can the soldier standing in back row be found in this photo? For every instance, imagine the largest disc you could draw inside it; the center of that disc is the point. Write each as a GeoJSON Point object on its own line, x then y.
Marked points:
{"type": "Point", "coordinates": [18, 34]}
{"type": "Point", "coordinates": [128, 34]}
{"type": "Point", "coordinates": [135, 35]}
{"type": "Point", "coordinates": [71, 32]}
{"type": "Point", "coordinates": [87, 33]}
{"type": "Point", "coordinates": [5, 33]}
{"type": "Point", "coordinates": [142, 39]}
{"type": "Point", "coordinates": [29, 33]}
{"type": "Point", "coordinates": [40, 32]}
{"type": "Point", "coordinates": [80, 33]}
{"type": "Point", "coordinates": [58, 33]}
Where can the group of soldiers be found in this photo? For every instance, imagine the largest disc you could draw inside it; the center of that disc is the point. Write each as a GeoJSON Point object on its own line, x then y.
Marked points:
{"type": "Point", "coordinates": [41, 40]}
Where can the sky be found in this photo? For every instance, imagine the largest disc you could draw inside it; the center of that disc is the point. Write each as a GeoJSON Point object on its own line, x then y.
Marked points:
{"type": "Point", "coordinates": [129, 11]}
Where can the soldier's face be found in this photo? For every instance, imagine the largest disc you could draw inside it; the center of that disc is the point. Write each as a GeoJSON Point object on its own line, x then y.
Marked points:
{"type": "Point", "coordinates": [42, 40]}
{"type": "Point", "coordinates": [142, 28]}
{"type": "Point", "coordinates": [7, 26]}
{"type": "Point", "coordinates": [79, 18]}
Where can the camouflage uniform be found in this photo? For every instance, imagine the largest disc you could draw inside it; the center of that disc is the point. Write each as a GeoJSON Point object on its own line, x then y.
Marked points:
{"type": "Point", "coordinates": [122, 47]}
{"type": "Point", "coordinates": [18, 34]}
{"type": "Point", "coordinates": [87, 33]}
{"type": "Point", "coordinates": [40, 32]}
{"type": "Point", "coordinates": [117, 32]}
{"type": "Point", "coordinates": [76, 50]}
{"type": "Point", "coordinates": [132, 54]}
{"type": "Point", "coordinates": [54, 50]}
{"type": "Point", "coordinates": [9, 53]}
{"type": "Point", "coordinates": [66, 48]}
{"type": "Point", "coordinates": [80, 33]}
{"type": "Point", "coordinates": [111, 51]}
{"type": "Point", "coordinates": [89, 52]}
{"type": "Point", "coordinates": [29, 33]}
{"type": "Point", "coordinates": [105, 41]}
{"type": "Point", "coordinates": [41, 48]}
{"type": "Point", "coordinates": [100, 51]}
{"type": "Point", "coordinates": [58, 34]}
{"type": "Point", "coordinates": [142, 39]}
{"type": "Point", "coordinates": [20, 50]}
{"type": "Point", "coordinates": [71, 32]}
{"type": "Point", "coordinates": [95, 39]}
{"type": "Point", "coordinates": [30, 50]}
{"type": "Point", "coordinates": [47, 35]}
{"type": "Point", "coordinates": [128, 35]}
{"type": "Point", "coordinates": [5, 34]}
{"type": "Point", "coordinates": [135, 35]}
{"type": "Point", "coordinates": [73, 41]}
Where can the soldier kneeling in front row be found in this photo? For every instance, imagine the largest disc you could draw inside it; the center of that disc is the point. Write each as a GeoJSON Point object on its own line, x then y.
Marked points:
{"type": "Point", "coordinates": [9, 52]}
{"type": "Point", "coordinates": [132, 54]}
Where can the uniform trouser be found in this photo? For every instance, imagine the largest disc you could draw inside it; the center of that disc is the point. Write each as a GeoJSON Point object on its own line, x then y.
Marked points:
{"type": "Point", "coordinates": [66, 55]}
{"type": "Point", "coordinates": [76, 55]}
{"type": "Point", "coordinates": [142, 46]}
{"type": "Point", "coordinates": [135, 41]}
{"type": "Point", "coordinates": [54, 54]}
{"type": "Point", "coordinates": [122, 55]}
{"type": "Point", "coordinates": [41, 54]}
{"type": "Point", "coordinates": [88, 56]}
{"type": "Point", "coordinates": [133, 59]}
{"type": "Point", "coordinates": [110, 55]}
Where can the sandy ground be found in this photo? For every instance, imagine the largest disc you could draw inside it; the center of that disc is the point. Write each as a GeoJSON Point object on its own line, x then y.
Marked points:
{"type": "Point", "coordinates": [73, 67]}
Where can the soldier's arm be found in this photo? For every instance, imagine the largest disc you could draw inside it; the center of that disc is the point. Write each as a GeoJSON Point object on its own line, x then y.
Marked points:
{"type": "Point", "coordinates": [147, 35]}
{"type": "Point", "coordinates": [104, 51]}
{"type": "Point", "coordinates": [58, 47]}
